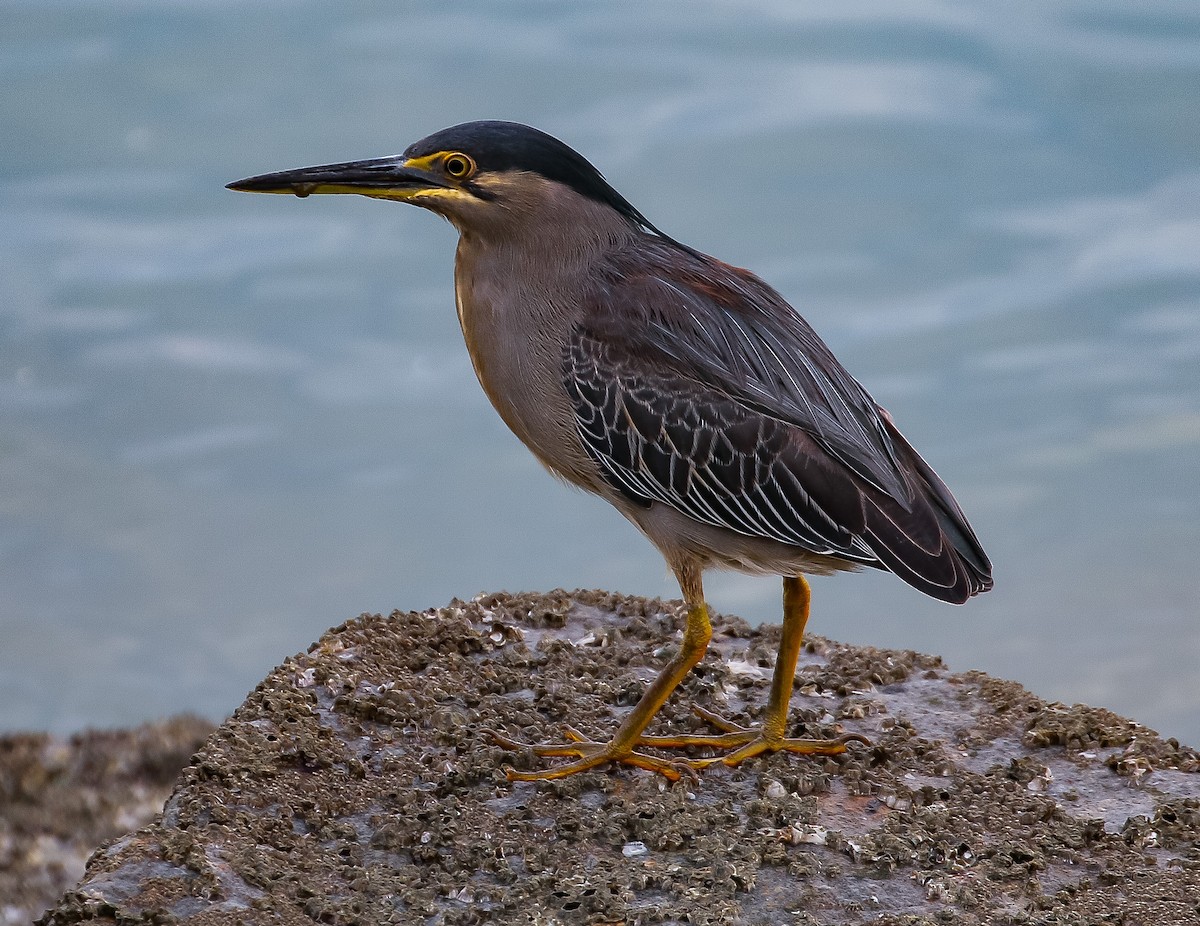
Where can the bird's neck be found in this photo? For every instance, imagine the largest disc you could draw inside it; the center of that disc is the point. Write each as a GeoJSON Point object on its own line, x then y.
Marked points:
{"type": "Point", "coordinates": [530, 276]}
{"type": "Point", "coordinates": [518, 300]}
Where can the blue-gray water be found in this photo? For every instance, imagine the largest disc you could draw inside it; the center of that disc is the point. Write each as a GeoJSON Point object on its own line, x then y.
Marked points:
{"type": "Point", "coordinates": [229, 421]}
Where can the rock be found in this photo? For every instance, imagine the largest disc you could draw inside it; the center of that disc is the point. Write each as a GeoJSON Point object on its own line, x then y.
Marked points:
{"type": "Point", "coordinates": [61, 797]}
{"type": "Point", "coordinates": [358, 785]}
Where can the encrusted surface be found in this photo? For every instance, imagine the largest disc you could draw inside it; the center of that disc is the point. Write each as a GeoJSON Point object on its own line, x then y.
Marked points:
{"type": "Point", "coordinates": [357, 785]}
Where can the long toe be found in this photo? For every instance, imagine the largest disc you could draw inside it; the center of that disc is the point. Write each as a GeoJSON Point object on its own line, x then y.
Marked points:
{"type": "Point", "coordinates": [746, 742]}
{"type": "Point", "coordinates": [587, 755]}
{"type": "Point", "coordinates": [805, 747]}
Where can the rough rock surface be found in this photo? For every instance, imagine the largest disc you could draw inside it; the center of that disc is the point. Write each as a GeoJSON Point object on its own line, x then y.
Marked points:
{"type": "Point", "coordinates": [60, 797]}
{"type": "Point", "coordinates": [357, 785]}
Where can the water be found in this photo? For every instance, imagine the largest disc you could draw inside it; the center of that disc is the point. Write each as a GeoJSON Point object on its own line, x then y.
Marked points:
{"type": "Point", "coordinates": [228, 422]}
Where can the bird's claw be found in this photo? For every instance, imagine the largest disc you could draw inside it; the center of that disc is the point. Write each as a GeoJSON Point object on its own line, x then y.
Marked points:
{"type": "Point", "coordinates": [745, 742]}
{"type": "Point", "coordinates": [588, 754]}
{"type": "Point", "coordinates": [742, 742]}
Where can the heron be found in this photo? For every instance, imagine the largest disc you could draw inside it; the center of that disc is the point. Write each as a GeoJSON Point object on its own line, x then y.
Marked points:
{"type": "Point", "coordinates": [684, 391]}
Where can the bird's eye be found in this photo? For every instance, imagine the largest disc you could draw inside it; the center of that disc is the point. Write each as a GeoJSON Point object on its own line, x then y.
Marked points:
{"type": "Point", "coordinates": [458, 166]}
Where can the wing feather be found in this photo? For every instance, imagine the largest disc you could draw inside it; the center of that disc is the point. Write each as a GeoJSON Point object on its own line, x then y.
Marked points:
{"type": "Point", "coordinates": [702, 389]}
{"type": "Point", "coordinates": [673, 441]}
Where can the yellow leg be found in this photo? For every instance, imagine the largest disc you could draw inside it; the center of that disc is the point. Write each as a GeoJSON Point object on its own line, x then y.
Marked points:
{"type": "Point", "coordinates": [745, 742]}
{"type": "Point", "coordinates": [697, 632]}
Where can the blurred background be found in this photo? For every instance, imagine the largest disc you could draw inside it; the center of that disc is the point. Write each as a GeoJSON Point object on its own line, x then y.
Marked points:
{"type": "Point", "coordinates": [228, 422]}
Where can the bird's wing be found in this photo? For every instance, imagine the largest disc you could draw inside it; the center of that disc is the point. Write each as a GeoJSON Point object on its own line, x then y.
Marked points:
{"type": "Point", "coordinates": [731, 331]}
{"type": "Point", "coordinates": [697, 386]}
{"type": "Point", "coordinates": [661, 436]}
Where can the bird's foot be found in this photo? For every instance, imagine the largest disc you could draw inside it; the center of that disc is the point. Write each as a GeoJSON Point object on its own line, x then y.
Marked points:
{"type": "Point", "coordinates": [746, 742]}
{"type": "Point", "coordinates": [589, 754]}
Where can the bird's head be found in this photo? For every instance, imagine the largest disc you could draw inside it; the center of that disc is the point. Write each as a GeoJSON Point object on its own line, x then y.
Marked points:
{"type": "Point", "coordinates": [479, 175]}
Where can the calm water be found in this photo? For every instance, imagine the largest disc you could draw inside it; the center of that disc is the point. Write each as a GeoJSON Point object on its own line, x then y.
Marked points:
{"type": "Point", "coordinates": [228, 422]}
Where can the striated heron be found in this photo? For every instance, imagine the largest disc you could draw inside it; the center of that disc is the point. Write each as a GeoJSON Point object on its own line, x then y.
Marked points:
{"type": "Point", "coordinates": [684, 391]}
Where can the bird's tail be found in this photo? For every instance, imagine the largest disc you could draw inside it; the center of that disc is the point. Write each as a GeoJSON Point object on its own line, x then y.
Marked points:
{"type": "Point", "coordinates": [929, 544]}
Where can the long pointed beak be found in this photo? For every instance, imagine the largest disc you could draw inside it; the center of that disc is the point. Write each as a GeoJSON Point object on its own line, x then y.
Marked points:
{"type": "Point", "coordinates": [382, 178]}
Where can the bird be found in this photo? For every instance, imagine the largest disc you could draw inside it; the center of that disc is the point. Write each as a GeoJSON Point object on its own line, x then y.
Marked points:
{"type": "Point", "coordinates": [684, 391]}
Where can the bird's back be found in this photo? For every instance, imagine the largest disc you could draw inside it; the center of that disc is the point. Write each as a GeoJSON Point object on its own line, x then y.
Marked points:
{"type": "Point", "coordinates": [697, 386]}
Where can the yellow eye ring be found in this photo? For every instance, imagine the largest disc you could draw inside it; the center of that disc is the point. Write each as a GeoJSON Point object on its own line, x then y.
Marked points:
{"type": "Point", "coordinates": [458, 166]}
